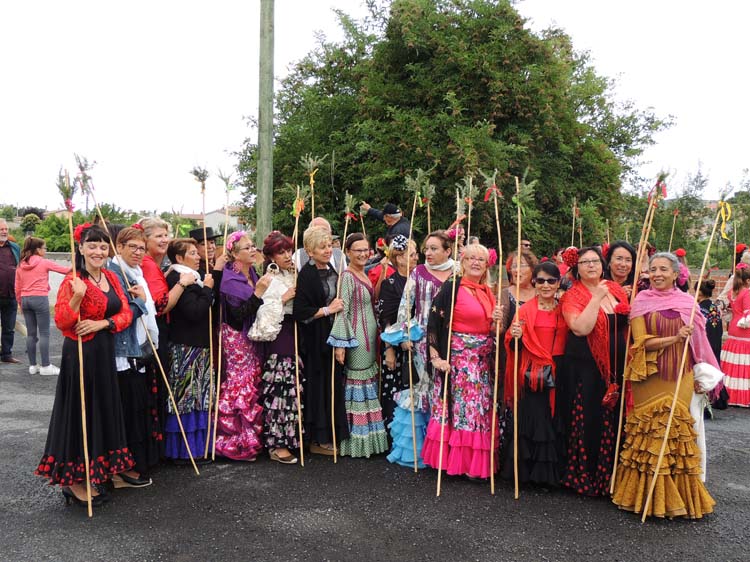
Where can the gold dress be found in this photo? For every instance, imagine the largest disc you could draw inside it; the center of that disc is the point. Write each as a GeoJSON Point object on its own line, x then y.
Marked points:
{"type": "Point", "coordinates": [653, 375]}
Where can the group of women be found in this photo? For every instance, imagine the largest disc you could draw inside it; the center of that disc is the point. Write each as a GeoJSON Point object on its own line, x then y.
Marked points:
{"type": "Point", "coordinates": [399, 361]}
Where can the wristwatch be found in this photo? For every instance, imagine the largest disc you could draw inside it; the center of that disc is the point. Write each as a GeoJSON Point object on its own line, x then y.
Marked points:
{"type": "Point", "coordinates": [111, 324]}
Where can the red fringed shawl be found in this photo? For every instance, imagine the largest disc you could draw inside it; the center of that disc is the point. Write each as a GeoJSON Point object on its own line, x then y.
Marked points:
{"type": "Point", "coordinates": [575, 300]}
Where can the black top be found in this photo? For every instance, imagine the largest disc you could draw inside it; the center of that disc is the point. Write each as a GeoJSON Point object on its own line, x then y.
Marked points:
{"type": "Point", "coordinates": [188, 320]}
{"type": "Point", "coordinates": [390, 298]}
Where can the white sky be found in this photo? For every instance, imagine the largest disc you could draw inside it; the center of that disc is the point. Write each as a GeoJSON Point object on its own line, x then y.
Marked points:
{"type": "Point", "coordinates": [149, 89]}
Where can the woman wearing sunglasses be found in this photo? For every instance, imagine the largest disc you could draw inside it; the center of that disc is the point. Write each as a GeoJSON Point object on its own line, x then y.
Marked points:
{"type": "Point", "coordinates": [541, 333]}
{"type": "Point", "coordinates": [587, 389]}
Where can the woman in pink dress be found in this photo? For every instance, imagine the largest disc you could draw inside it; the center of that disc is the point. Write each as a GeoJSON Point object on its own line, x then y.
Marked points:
{"type": "Point", "coordinates": [735, 353]}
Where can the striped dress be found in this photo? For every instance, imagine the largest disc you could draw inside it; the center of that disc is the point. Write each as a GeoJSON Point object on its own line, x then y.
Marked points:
{"type": "Point", "coordinates": [356, 330]}
{"type": "Point", "coordinates": [735, 353]}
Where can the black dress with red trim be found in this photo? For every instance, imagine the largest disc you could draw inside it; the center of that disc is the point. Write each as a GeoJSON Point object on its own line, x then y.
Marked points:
{"type": "Point", "coordinates": [63, 460]}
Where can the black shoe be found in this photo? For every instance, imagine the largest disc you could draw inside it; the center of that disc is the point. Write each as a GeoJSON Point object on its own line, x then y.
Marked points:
{"type": "Point", "coordinates": [69, 496]}
{"type": "Point", "coordinates": [124, 481]}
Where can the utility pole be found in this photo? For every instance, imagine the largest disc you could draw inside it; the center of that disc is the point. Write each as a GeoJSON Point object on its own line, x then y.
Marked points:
{"type": "Point", "coordinates": [264, 199]}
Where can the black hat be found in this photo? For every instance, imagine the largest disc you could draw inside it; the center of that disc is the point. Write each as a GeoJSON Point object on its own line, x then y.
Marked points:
{"type": "Point", "coordinates": [197, 234]}
{"type": "Point", "coordinates": [391, 209]}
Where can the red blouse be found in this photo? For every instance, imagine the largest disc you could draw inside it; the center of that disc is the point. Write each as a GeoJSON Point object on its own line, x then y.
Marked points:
{"type": "Point", "coordinates": [92, 307]}
{"type": "Point", "coordinates": [157, 283]}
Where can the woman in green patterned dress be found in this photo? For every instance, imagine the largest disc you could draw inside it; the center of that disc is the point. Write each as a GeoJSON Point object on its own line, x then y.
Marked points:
{"type": "Point", "coordinates": [354, 336]}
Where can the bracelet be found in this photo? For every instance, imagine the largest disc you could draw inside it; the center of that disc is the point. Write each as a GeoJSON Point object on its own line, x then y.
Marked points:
{"type": "Point", "coordinates": [181, 284]}
{"type": "Point", "coordinates": [325, 311]}
{"type": "Point", "coordinates": [110, 324]}
{"type": "Point", "coordinates": [433, 357]}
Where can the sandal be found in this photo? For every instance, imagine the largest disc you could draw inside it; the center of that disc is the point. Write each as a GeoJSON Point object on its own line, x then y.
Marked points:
{"type": "Point", "coordinates": [318, 449]}
{"type": "Point", "coordinates": [288, 459]}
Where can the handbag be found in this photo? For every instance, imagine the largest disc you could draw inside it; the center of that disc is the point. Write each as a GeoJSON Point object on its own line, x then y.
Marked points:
{"type": "Point", "coordinates": [612, 395]}
{"type": "Point", "coordinates": [147, 355]}
{"type": "Point", "coordinates": [542, 379]}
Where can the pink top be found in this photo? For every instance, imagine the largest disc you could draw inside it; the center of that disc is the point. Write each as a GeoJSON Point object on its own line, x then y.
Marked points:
{"type": "Point", "coordinates": [468, 315]}
{"type": "Point", "coordinates": [740, 308]}
{"type": "Point", "coordinates": [32, 277]}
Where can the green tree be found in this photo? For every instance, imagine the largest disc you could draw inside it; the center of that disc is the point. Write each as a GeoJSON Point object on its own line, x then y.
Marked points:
{"type": "Point", "coordinates": [29, 223]}
{"type": "Point", "coordinates": [8, 212]}
{"type": "Point", "coordinates": [453, 86]}
{"type": "Point", "coordinates": [55, 231]}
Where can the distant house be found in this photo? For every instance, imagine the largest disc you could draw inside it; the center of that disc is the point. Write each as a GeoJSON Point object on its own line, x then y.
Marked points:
{"type": "Point", "coordinates": [215, 219]}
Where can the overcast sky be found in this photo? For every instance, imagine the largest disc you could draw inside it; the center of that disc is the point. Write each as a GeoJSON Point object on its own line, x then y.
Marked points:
{"type": "Point", "coordinates": [149, 89]}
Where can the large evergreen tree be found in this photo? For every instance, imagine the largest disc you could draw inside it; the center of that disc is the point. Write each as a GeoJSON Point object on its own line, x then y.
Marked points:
{"type": "Point", "coordinates": [453, 86]}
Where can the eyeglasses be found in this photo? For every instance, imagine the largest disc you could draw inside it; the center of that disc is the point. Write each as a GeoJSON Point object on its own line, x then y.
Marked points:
{"type": "Point", "coordinates": [589, 262]}
{"type": "Point", "coordinates": [547, 280]}
{"type": "Point", "coordinates": [478, 259]}
{"type": "Point", "coordinates": [250, 247]}
{"type": "Point", "coordinates": [135, 248]}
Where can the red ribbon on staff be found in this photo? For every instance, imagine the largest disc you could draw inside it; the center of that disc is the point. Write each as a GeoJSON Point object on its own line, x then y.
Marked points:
{"type": "Point", "coordinates": [490, 191]}
{"type": "Point", "coordinates": [351, 216]}
{"type": "Point", "coordinates": [69, 205]}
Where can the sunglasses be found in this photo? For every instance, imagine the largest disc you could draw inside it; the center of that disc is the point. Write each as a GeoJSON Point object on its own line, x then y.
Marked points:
{"type": "Point", "coordinates": [547, 280]}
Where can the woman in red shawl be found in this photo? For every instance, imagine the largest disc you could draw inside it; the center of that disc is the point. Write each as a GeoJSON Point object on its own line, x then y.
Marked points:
{"type": "Point", "coordinates": [660, 323]}
{"type": "Point", "coordinates": [542, 333]}
{"type": "Point", "coordinates": [587, 387]}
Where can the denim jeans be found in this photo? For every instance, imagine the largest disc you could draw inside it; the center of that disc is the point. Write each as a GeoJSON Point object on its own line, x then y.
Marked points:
{"type": "Point", "coordinates": [8, 307]}
{"type": "Point", "coordinates": [36, 313]}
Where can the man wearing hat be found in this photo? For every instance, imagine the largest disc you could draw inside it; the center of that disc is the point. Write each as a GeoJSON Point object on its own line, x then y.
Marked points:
{"type": "Point", "coordinates": [391, 216]}
{"type": "Point", "coordinates": [209, 244]}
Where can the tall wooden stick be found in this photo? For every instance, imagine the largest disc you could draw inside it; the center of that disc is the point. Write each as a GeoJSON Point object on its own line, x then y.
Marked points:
{"type": "Point", "coordinates": [671, 234]}
{"type": "Point", "coordinates": [573, 229]}
{"type": "Point", "coordinates": [295, 237]}
{"type": "Point", "coordinates": [515, 341]}
{"type": "Point", "coordinates": [680, 374]}
{"type": "Point", "coordinates": [333, 352]}
{"type": "Point", "coordinates": [642, 244]}
{"type": "Point", "coordinates": [201, 175]}
{"type": "Point", "coordinates": [497, 337]}
{"type": "Point", "coordinates": [447, 374]}
{"type": "Point", "coordinates": [608, 242]}
{"type": "Point", "coordinates": [408, 330]}
{"type": "Point", "coordinates": [67, 191]}
{"type": "Point", "coordinates": [734, 254]}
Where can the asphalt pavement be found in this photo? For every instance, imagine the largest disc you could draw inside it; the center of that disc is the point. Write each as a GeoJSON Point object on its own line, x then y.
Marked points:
{"type": "Point", "coordinates": [357, 509]}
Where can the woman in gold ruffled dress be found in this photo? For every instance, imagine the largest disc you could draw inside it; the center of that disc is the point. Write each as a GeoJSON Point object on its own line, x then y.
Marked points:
{"type": "Point", "coordinates": [660, 321]}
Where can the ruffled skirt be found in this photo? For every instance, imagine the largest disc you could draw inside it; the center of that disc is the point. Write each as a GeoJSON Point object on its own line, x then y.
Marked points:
{"type": "Point", "coordinates": [466, 438]}
{"type": "Point", "coordinates": [240, 415]}
{"type": "Point", "coordinates": [679, 490]}
{"type": "Point", "coordinates": [735, 364]}
{"type": "Point", "coordinates": [279, 400]}
{"type": "Point", "coordinates": [367, 434]}
{"type": "Point", "coordinates": [402, 448]}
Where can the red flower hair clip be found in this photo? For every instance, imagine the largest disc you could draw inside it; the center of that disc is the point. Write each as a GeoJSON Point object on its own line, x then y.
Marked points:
{"type": "Point", "coordinates": [739, 248]}
{"type": "Point", "coordinates": [570, 256]}
{"type": "Point", "coordinates": [741, 265]}
{"type": "Point", "coordinates": [680, 252]}
{"type": "Point", "coordinates": [137, 226]}
{"type": "Point", "coordinates": [605, 251]}
{"type": "Point", "coordinates": [492, 259]}
{"type": "Point", "coordinates": [79, 231]}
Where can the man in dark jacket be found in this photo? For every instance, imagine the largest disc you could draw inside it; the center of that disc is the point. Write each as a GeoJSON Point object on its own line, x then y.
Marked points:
{"type": "Point", "coordinates": [10, 256]}
{"type": "Point", "coordinates": [391, 216]}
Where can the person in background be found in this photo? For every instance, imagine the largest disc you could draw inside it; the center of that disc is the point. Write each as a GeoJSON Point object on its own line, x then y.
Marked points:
{"type": "Point", "coordinates": [392, 217]}
{"type": "Point", "coordinates": [32, 292]}
{"type": "Point", "coordinates": [735, 353]}
{"type": "Point", "coordinates": [10, 256]}
{"type": "Point", "coordinates": [621, 265]}
{"type": "Point", "coordinates": [719, 397]}
{"type": "Point", "coordinates": [337, 260]}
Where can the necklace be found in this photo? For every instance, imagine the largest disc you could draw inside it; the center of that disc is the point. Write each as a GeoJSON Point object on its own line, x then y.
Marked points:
{"type": "Point", "coordinates": [547, 306]}
{"type": "Point", "coordinates": [97, 281]}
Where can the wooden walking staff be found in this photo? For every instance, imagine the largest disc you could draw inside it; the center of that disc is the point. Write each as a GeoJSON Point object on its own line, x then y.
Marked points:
{"type": "Point", "coordinates": [573, 229]}
{"type": "Point", "coordinates": [515, 343]}
{"type": "Point", "coordinates": [201, 175]}
{"type": "Point", "coordinates": [412, 184]}
{"type": "Point", "coordinates": [723, 208]}
{"type": "Point", "coordinates": [447, 374]}
{"type": "Point", "coordinates": [67, 191]}
{"type": "Point", "coordinates": [428, 192]}
{"type": "Point", "coordinates": [468, 192]}
{"type": "Point", "coordinates": [299, 206]}
{"type": "Point", "coordinates": [86, 184]}
{"type": "Point", "coordinates": [674, 222]}
{"type": "Point", "coordinates": [494, 192]}
{"type": "Point", "coordinates": [348, 206]}
{"type": "Point", "coordinates": [648, 220]}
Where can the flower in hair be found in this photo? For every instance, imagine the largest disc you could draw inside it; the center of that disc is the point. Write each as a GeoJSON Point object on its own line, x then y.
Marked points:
{"type": "Point", "coordinates": [605, 251]}
{"type": "Point", "coordinates": [492, 259]}
{"type": "Point", "coordinates": [570, 256]}
{"type": "Point", "coordinates": [138, 226]}
{"type": "Point", "coordinates": [741, 265]}
{"type": "Point", "coordinates": [78, 232]}
{"type": "Point", "coordinates": [684, 275]}
{"type": "Point", "coordinates": [232, 239]}
{"type": "Point", "coordinates": [455, 232]}
{"type": "Point", "coordinates": [680, 252]}
{"type": "Point", "coordinates": [739, 248]}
